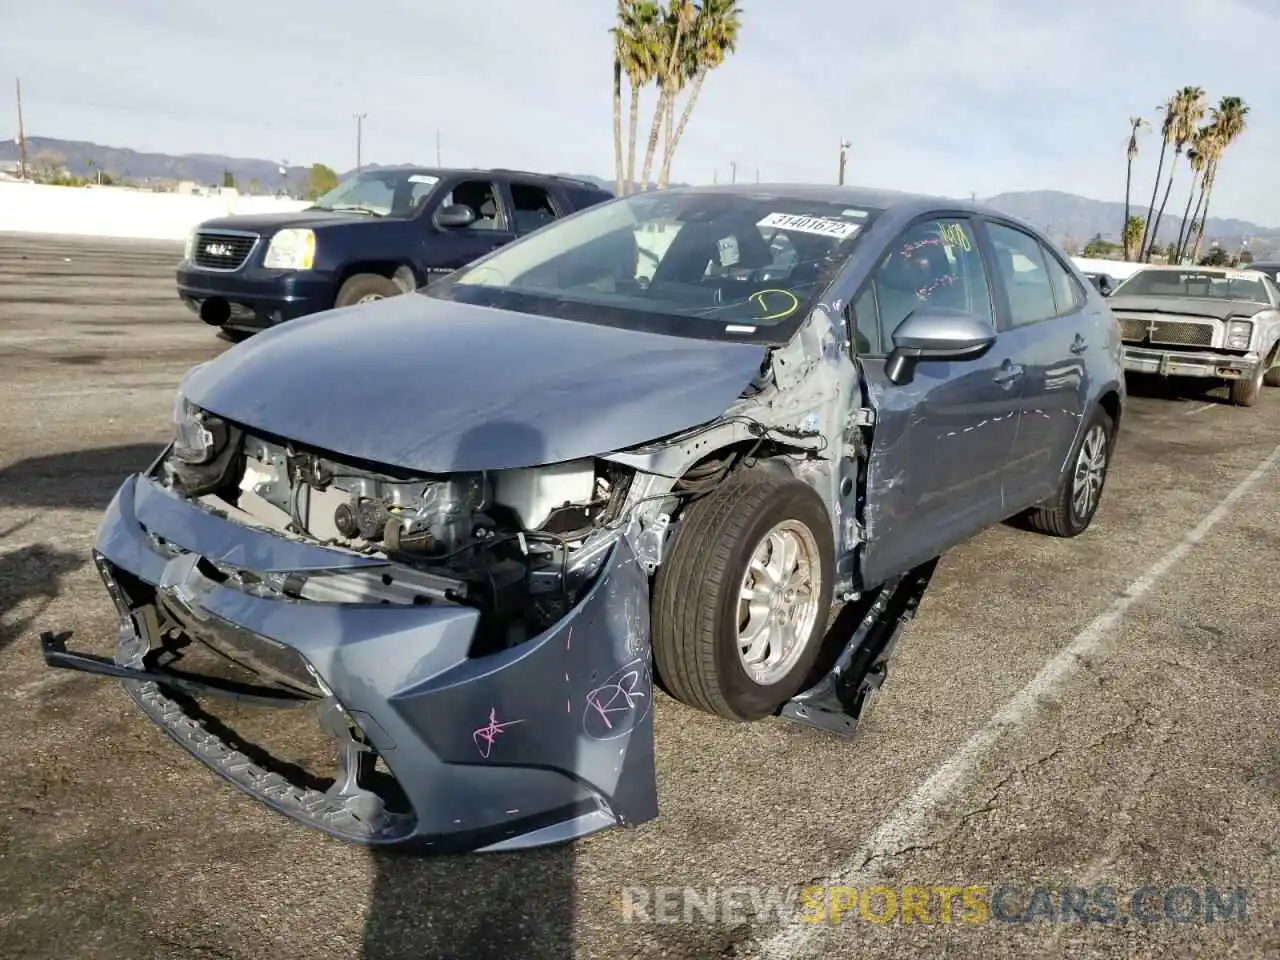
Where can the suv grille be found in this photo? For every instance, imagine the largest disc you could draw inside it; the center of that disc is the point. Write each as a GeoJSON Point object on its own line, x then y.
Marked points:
{"type": "Point", "coordinates": [1173, 332]}
{"type": "Point", "coordinates": [223, 251]}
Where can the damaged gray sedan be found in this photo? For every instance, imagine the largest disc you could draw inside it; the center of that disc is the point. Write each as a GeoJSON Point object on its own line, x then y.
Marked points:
{"type": "Point", "coordinates": [709, 439]}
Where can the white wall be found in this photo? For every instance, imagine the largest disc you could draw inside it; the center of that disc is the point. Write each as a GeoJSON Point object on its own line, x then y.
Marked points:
{"type": "Point", "coordinates": [120, 211]}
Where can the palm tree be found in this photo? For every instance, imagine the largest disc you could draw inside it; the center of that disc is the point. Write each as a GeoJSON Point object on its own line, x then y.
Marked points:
{"type": "Point", "coordinates": [617, 114]}
{"type": "Point", "coordinates": [635, 53]}
{"type": "Point", "coordinates": [1135, 124]}
{"type": "Point", "coordinates": [1134, 227]}
{"type": "Point", "coordinates": [713, 38]}
{"type": "Point", "coordinates": [1189, 111]}
{"type": "Point", "coordinates": [1230, 117]}
{"type": "Point", "coordinates": [1167, 132]}
{"type": "Point", "coordinates": [1212, 150]}
{"type": "Point", "coordinates": [1198, 158]}
{"type": "Point", "coordinates": [676, 19]}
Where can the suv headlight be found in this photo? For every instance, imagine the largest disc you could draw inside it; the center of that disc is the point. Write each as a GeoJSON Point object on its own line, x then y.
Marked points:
{"type": "Point", "coordinates": [1239, 333]}
{"type": "Point", "coordinates": [291, 250]}
{"type": "Point", "coordinates": [198, 436]}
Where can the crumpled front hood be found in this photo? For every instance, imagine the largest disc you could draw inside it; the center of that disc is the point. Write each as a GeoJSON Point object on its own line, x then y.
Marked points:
{"type": "Point", "coordinates": [1185, 306]}
{"type": "Point", "coordinates": [434, 386]}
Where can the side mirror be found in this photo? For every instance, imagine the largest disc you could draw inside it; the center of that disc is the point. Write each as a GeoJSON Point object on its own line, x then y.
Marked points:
{"type": "Point", "coordinates": [936, 334]}
{"type": "Point", "coordinates": [455, 215]}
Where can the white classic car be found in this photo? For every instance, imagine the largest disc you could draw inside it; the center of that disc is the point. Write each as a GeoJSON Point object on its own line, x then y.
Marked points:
{"type": "Point", "coordinates": [1202, 322]}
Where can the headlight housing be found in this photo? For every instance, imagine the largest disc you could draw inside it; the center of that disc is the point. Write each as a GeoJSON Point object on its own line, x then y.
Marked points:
{"type": "Point", "coordinates": [1239, 333]}
{"type": "Point", "coordinates": [198, 436]}
{"type": "Point", "coordinates": [291, 249]}
{"type": "Point", "coordinates": [188, 251]}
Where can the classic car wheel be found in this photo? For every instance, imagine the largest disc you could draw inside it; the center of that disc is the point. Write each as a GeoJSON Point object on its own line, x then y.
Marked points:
{"type": "Point", "coordinates": [1244, 393]}
{"type": "Point", "coordinates": [1071, 510]}
{"type": "Point", "coordinates": [740, 601]}
{"type": "Point", "coordinates": [365, 287]}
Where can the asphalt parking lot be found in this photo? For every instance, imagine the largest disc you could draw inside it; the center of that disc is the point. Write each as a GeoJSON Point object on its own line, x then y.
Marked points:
{"type": "Point", "coordinates": [1062, 713]}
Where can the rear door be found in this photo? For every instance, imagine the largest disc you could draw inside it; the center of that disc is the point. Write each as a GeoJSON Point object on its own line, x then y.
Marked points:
{"type": "Point", "coordinates": [1042, 322]}
{"type": "Point", "coordinates": [942, 440]}
{"type": "Point", "coordinates": [445, 249]}
{"type": "Point", "coordinates": [532, 205]}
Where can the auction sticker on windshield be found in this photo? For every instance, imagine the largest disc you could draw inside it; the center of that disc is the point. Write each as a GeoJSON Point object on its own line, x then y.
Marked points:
{"type": "Point", "coordinates": [822, 226]}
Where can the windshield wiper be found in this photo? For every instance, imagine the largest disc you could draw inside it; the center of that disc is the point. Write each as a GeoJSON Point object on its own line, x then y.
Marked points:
{"type": "Point", "coordinates": [353, 208]}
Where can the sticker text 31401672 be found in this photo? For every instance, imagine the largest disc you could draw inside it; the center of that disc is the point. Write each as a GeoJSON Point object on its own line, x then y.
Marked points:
{"type": "Point", "coordinates": [822, 226]}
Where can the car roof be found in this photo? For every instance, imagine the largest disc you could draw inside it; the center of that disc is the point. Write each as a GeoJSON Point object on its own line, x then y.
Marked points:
{"type": "Point", "coordinates": [1190, 268]}
{"type": "Point", "coordinates": [873, 197]}
{"type": "Point", "coordinates": [444, 172]}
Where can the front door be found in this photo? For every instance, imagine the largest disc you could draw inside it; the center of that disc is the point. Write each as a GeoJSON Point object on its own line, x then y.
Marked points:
{"type": "Point", "coordinates": [941, 440]}
{"type": "Point", "coordinates": [446, 249]}
{"type": "Point", "coordinates": [1042, 321]}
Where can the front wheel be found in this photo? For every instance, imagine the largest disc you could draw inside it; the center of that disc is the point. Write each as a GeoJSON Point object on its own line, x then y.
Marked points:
{"type": "Point", "coordinates": [364, 288]}
{"type": "Point", "coordinates": [740, 603]}
{"type": "Point", "coordinates": [1071, 510]}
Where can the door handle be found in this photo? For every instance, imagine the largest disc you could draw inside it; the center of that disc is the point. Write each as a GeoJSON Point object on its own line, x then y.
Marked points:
{"type": "Point", "coordinates": [1009, 372]}
{"type": "Point", "coordinates": [1079, 344]}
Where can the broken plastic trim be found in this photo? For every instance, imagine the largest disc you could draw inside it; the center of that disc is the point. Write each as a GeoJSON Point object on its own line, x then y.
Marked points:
{"type": "Point", "coordinates": [840, 697]}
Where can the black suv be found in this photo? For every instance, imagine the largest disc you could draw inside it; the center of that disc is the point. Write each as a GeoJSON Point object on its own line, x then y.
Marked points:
{"type": "Point", "coordinates": [380, 233]}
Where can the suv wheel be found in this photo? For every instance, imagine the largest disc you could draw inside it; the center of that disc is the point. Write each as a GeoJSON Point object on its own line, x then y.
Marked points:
{"type": "Point", "coordinates": [365, 287]}
{"type": "Point", "coordinates": [1071, 510]}
{"type": "Point", "coordinates": [740, 603]}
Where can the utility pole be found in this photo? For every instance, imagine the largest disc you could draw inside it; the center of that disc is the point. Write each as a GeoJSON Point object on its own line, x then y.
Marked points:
{"type": "Point", "coordinates": [22, 134]}
{"type": "Point", "coordinates": [844, 147]}
{"type": "Point", "coordinates": [757, 174]}
{"type": "Point", "coordinates": [438, 163]}
{"type": "Point", "coordinates": [715, 176]}
{"type": "Point", "coordinates": [733, 167]}
{"type": "Point", "coordinates": [359, 118]}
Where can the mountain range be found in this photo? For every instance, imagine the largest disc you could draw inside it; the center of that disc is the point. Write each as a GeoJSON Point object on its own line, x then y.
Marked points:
{"type": "Point", "coordinates": [1067, 217]}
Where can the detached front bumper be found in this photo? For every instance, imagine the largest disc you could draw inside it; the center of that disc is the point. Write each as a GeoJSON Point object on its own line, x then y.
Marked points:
{"type": "Point", "coordinates": [254, 298]}
{"type": "Point", "coordinates": [533, 745]}
{"type": "Point", "coordinates": [1176, 363]}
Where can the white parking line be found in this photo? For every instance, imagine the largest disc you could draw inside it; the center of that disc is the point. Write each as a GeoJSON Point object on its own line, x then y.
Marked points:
{"type": "Point", "coordinates": [905, 824]}
{"type": "Point", "coordinates": [1200, 409]}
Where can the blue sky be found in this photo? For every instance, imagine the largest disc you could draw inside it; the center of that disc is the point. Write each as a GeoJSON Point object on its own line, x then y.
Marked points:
{"type": "Point", "coordinates": [982, 96]}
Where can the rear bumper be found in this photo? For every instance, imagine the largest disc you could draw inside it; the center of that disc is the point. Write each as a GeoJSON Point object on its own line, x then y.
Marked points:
{"type": "Point", "coordinates": [1176, 363]}
{"type": "Point", "coordinates": [257, 298]}
{"type": "Point", "coordinates": [508, 750]}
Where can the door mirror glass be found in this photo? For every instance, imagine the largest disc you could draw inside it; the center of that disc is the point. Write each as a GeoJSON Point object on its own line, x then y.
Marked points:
{"type": "Point", "coordinates": [935, 333]}
{"type": "Point", "coordinates": [455, 215]}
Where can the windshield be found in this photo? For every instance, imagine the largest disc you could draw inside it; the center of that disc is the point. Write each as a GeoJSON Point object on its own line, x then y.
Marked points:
{"type": "Point", "coordinates": [382, 193]}
{"type": "Point", "coordinates": [697, 264]}
{"type": "Point", "coordinates": [1206, 284]}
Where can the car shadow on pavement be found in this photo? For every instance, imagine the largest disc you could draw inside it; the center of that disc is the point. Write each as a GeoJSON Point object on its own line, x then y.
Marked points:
{"type": "Point", "coordinates": [85, 479]}
{"type": "Point", "coordinates": [472, 906]}
{"type": "Point", "coordinates": [1184, 389]}
{"type": "Point", "coordinates": [30, 572]}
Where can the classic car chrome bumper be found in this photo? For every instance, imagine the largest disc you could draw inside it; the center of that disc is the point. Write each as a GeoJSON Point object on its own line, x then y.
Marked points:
{"type": "Point", "coordinates": [1178, 363]}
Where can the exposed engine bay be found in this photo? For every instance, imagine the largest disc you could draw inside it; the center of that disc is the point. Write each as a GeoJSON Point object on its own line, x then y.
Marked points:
{"type": "Point", "coordinates": [498, 541]}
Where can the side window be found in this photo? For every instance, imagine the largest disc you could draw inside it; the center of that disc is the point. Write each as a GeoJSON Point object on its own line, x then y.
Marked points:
{"type": "Point", "coordinates": [1066, 291]}
{"type": "Point", "coordinates": [532, 207]}
{"type": "Point", "coordinates": [482, 197]}
{"type": "Point", "coordinates": [1021, 262]}
{"type": "Point", "coordinates": [581, 199]}
{"type": "Point", "coordinates": [936, 263]}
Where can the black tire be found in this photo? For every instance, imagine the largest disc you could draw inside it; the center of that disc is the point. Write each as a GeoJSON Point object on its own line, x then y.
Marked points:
{"type": "Point", "coordinates": [1272, 376]}
{"type": "Point", "coordinates": [1060, 517]}
{"type": "Point", "coordinates": [1244, 393]}
{"type": "Point", "coordinates": [696, 606]}
{"type": "Point", "coordinates": [365, 286]}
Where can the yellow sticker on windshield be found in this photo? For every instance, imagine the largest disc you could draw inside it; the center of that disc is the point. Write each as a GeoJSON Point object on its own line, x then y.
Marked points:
{"type": "Point", "coordinates": [955, 235]}
{"type": "Point", "coordinates": [784, 303]}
